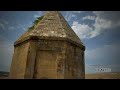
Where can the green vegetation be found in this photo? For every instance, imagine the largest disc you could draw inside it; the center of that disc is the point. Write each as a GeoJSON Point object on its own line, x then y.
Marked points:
{"type": "Point", "coordinates": [35, 23]}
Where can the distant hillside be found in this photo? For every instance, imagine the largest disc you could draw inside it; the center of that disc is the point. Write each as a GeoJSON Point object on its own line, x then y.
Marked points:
{"type": "Point", "coordinates": [103, 76]}
{"type": "Point", "coordinates": [4, 74]}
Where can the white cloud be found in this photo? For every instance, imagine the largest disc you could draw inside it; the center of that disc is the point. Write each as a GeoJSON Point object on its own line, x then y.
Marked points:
{"type": "Point", "coordinates": [98, 13]}
{"type": "Point", "coordinates": [100, 26]}
{"type": "Point", "coordinates": [76, 11]}
{"type": "Point", "coordinates": [113, 16]}
{"type": "Point", "coordinates": [71, 14]}
{"type": "Point", "coordinates": [89, 17]}
{"type": "Point", "coordinates": [38, 14]}
{"type": "Point", "coordinates": [103, 21]}
{"type": "Point", "coordinates": [82, 30]}
{"type": "Point", "coordinates": [68, 16]}
{"type": "Point", "coordinates": [2, 26]}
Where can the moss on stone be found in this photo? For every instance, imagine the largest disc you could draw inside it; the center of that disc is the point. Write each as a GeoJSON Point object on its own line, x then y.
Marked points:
{"type": "Point", "coordinates": [35, 23]}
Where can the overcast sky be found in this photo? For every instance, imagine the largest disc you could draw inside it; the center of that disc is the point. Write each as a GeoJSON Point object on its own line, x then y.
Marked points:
{"type": "Point", "coordinates": [98, 30]}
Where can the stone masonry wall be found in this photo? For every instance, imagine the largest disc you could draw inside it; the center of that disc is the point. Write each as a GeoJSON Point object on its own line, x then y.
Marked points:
{"type": "Point", "coordinates": [18, 65]}
{"type": "Point", "coordinates": [74, 63]}
{"type": "Point", "coordinates": [51, 59]}
{"type": "Point", "coordinates": [50, 55]}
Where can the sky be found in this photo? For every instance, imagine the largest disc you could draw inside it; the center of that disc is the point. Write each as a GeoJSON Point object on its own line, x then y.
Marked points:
{"type": "Point", "coordinates": [98, 30]}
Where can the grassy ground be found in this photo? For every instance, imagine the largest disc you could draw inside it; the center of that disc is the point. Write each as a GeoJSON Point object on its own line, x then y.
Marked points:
{"type": "Point", "coordinates": [94, 76]}
{"type": "Point", "coordinates": [4, 78]}
{"type": "Point", "coordinates": [103, 76]}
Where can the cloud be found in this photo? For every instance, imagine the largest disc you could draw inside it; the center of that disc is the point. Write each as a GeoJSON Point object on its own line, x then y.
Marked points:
{"type": "Point", "coordinates": [16, 27]}
{"type": "Point", "coordinates": [103, 20]}
{"type": "Point", "coordinates": [38, 14]}
{"type": "Point", "coordinates": [2, 26]}
{"type": "Point", "coordinates": [21, 26]}
{"type": "Point", "coordinates": [76, 11]}
{"type": "Point", "coordinates": [82, 30]}
{"type": "Point", "coordinates": [4, 21]}
{"type": "Point", "coordinates": [68, 15]}
{"type": "Point", "coordinates": [11, 28]}
{"type": "Point", "coordinates": [113, 16]}
{"type": "Point", "coordinates": [89, 17]}
{"type": "Point", "coordinates": [100, 26]}
{"type": "Point", "coordinates": [71, 14]}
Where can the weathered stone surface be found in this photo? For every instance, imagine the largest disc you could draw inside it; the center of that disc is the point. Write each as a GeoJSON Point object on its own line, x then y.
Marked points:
{"type": "Point", "coordinates": [50, 51]}
{"type": "Point", "coordinates": [52, 24]}
{"type": "Point", "coordinates": [19, 61]}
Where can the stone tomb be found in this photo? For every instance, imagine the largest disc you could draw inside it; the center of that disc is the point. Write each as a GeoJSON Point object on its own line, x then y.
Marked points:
{"type": "Point", "coordinates": [50, 50]}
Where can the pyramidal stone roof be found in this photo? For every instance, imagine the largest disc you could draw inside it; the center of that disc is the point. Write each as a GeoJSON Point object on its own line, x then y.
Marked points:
{"type": "Point", "coordinates": [51, 25]}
